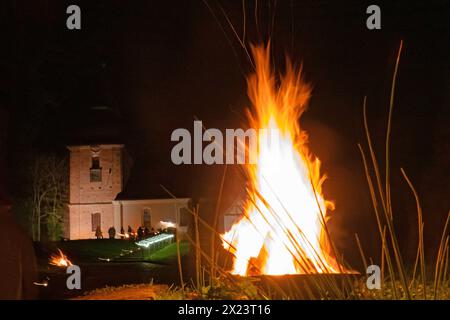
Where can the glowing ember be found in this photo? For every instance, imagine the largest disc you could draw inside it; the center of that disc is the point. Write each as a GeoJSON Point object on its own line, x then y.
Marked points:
{"type": "Point", "coordinates": [60, 260]}
{"type": "Point", "coordinates": [126, 235]}
{"type": "Point", "coordinates": [282, 230]}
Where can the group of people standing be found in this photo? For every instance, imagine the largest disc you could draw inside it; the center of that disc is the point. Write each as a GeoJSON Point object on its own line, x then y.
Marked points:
{"type": "Point", "coordinates": [142, 233]}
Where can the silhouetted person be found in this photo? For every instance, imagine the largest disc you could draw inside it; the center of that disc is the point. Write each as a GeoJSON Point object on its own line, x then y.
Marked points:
{"type": "Point", "coordinates": [131, 233]}
{"type": "Point", "coordinates": [140, 233]}
{"type": "Point", "coordinates": [146, 232]}
{"type": "Point", "coordinates": [18, 269]}
{"type": "Point", "coordinates": [112, 232]}
{"type": "Point", "coordinates": [98, 233]}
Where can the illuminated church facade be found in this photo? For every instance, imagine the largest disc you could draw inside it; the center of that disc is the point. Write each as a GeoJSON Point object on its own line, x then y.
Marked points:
{"type": "Point", "coordinates": [98, 175]}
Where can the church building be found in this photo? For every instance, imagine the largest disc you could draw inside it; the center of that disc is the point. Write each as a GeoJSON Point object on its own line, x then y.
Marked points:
{"type": "Point", "coordinates": [97, 178]}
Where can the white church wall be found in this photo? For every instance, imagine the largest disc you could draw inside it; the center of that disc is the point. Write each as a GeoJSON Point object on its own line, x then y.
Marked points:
{"type": "Point", "coordinates": [161, 210]}
{"type": "Point", "coordinates": [81, 220]}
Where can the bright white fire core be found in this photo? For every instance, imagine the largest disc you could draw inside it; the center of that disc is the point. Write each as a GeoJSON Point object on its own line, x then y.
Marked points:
{"type": "Point", "coordinates": [283, 229]}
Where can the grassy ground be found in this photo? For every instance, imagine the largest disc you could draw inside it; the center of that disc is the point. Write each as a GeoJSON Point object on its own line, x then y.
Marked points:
{"type": "Point", "coordinates": [91, 250]}
{"type": "Point", "coordinates": [127, 292]}
{"type": "Point", "coordinates": [167, 254]}
{"type": "Point", "coordinates": [136, 266]}
{"type": "Point", "coordinates": [245, 290]}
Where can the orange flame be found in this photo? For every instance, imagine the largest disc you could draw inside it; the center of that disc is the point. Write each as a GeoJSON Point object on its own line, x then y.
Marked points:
{"type": "Point", "coordinates": [60, 260]}
{"type": "Point", "coordinates": [283, 229]}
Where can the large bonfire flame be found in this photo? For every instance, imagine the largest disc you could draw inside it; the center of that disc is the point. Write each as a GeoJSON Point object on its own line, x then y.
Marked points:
{"type": "Point", "coordinates": [283, 229]}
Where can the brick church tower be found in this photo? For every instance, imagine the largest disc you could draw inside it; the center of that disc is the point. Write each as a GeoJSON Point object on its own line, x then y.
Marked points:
{"type": "Point", "coordinates": [96, 177]}
{"type": "Point", "coordinates": [97, 171]}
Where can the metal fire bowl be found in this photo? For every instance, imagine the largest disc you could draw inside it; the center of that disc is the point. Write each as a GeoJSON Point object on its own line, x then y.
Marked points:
{"type": "Point", "coordinates": [307, 286]}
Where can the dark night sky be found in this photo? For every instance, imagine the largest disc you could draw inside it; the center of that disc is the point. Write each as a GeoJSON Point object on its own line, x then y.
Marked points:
{"type": "Point", "coordinates": [166, 62]}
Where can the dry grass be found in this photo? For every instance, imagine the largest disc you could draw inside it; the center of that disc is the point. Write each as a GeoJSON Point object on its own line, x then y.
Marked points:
{"type": "Point", "coordinates": [401, 285]}
{"type": "Point", "coordinates": [397, 282]}
{"type": "Point", "coordinates": [127, 292]}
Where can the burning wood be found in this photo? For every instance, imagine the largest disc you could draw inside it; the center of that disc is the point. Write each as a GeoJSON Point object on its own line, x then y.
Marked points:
{"type": "Point", "coordinates": [283, 229]}
{"type": "Point", "coordinates": [60, 260]}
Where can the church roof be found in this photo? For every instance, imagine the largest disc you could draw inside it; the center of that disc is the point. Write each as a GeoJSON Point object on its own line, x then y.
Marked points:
{"type": "Point", "coordinates": [147, 191]}
{"type": "Point", "coordinates": [147, 182]}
